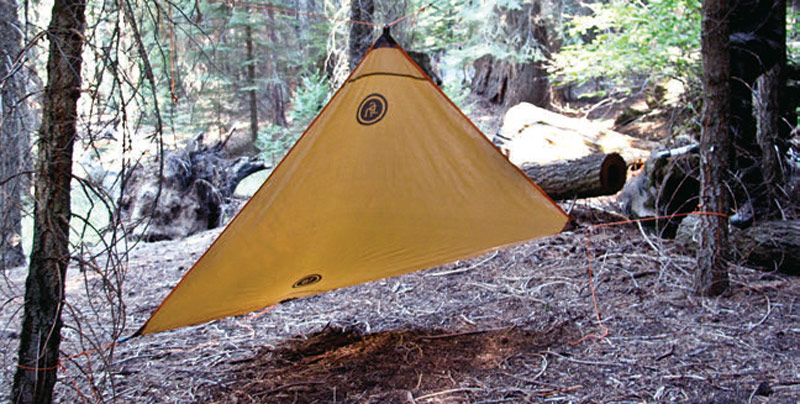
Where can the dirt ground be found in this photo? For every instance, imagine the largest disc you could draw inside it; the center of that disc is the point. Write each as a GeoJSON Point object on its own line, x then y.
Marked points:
{"type": "Point", "coordinates": [498, 328]}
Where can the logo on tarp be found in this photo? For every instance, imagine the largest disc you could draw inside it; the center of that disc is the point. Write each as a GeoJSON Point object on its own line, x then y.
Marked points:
{"type": "Point", "coordinates": [372, 109]}
{"type": "Point", "coordinates": [307, 280]}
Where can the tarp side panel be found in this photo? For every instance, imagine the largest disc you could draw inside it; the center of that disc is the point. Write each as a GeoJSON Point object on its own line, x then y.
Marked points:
{"type": "Point", "coordinates": [391, 178]}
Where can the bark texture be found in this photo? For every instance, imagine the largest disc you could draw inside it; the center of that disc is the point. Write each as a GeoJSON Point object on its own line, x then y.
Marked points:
{"type": "Point", "coordinates": [276, 97]}
{"type": "Point", "coordinates": [360, 34]}
{"type": "Point", "coordinates": [772, 126]}
{"type": "Point", "coordinates": [13, 138]}
{"type": "Point", "coordinates": [757, 34]}
{"type": "Point", "coordinates": [768, 118]}
{"type": "Point", "coordinates": [251, 82]}
{"type": "Point", "coordinates": [44, 289]}
{"type": "Point", "coordinates": [506, 83]}
{"type": "Point", "coordinates": [276, 93]}
{"type": "Point", "coordinates": [509, 82]}
{"type": "Point", "coordinates": [594, 175]}
{"type": "Point", "coordinates": [711, 277]}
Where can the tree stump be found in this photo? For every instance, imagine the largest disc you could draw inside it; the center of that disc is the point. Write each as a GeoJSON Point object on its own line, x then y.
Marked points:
{"type": "Point", "coordinates": [524, 28]}
{"type": "Point", "coordinates": [193, 195]}
{"type": "Point", "coordinates": [668, 185]}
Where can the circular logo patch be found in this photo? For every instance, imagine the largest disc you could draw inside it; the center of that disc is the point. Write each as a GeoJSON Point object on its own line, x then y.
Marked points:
{"type": "Point", "coordinates": [308, 280]}
{"type": "Point", "coordinates": [372, 109]}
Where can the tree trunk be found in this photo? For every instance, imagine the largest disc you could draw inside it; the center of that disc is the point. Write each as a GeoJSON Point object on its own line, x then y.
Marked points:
{"type": "Point", "coordinates": [508, 81]}
{"type": "Point", "coordinates": [275, 88]}
{"type": "Point", "coordinates": [768, 119]}
{"type": "Point", "coordinates": [505, 83]}
{"type": "Point", "coordinates": [772, 245]}
{"type": "Point", "coordinates": [594, 175]}
{"type": "Point", "coordinates": [711, 277]}
{"type": "Point", "coordinates": [771, 132]}
{"type": "Point", "coordinates": [360, 34]}
{"type": "Point", "coordinates": [251, 82]}
{"type": "Point", "coordinates": [757, 43]}
{"type": "Point", "coordinates": [44, 289]}
{"type": "Point", "coordinates": [13, 139]}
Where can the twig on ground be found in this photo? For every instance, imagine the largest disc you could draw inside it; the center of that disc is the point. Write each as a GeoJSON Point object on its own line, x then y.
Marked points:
{"type": "Point", "coordinates": [769, 310]}
{"type": "Point", "coordinates": [465, 333]}
{"type": "Point", "coordinates": [446, 392]}
{"type": "Point", "coordinates": [666, 354]}
{"type": "Point", "coordinates": [465, 269]}
{"type": "Point", "coordinates": [547, 393]}
{"type": "Point", "coordinates": [284, 387]}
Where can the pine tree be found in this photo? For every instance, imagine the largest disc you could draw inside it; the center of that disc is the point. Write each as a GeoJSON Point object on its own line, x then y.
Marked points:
{"type": "Point", "coordinates": [711, 278]}
{"type": "Point", "coordinates": [13, 138]}
{"type": "Point", "coordinates": [44, 289]}
{"type": "Point", "coordinates": [773, 130]}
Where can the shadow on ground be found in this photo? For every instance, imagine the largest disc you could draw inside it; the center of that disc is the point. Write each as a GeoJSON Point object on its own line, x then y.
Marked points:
{"type": "Point", "coordinates": [344, 365]}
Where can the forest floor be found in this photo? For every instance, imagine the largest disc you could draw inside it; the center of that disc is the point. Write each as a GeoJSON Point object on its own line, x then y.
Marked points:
{"type": "Point", "coordinates": [510, 326]}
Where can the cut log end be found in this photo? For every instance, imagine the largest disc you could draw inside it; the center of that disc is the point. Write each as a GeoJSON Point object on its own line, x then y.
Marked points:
{"type": "Point", "coordinates": [613, 173]}
{"type": "Point", "coordinates": [587, 177]}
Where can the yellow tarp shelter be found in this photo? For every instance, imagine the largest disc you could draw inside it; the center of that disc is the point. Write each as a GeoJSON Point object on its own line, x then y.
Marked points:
{"type": "Point", "coordinates": [390, 178]}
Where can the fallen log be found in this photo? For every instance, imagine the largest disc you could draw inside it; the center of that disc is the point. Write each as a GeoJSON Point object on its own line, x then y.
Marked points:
{"type": "Point", "coordinates": [533, 135]}
{"type": "Point", "coordinates": [771, 245]}
{"type": "Point", "coordinates": [586, 177]}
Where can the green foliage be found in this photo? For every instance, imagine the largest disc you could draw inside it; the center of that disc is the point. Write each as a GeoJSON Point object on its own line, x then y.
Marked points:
{"type": "Point", "coordinates": [659, 39]}
{"type": "Point", "coordinates": [458, 92]}
{"type": "Point", "coordinates": [198, 54]}
{"type": "Point", "coordinates": [440, 26]}
{"type": "Point", "coordinates": [469, 29]}
{"type": "Point", "coordinates": [311, 95]}
{"type": "Point", "coordinates": [793, 35]}
{"type": "Point", "coordinates": [274, 141]}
